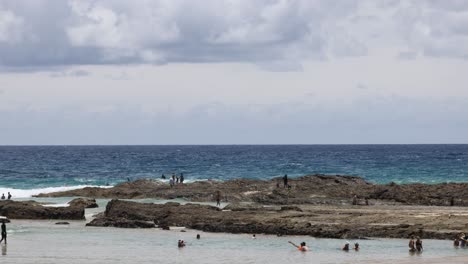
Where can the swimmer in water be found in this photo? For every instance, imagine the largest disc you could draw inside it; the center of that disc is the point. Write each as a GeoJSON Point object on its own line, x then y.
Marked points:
{"type": "Point", "coordinates": [346, 247]}
{"type": "Point", "coordinates": [302, 247]}
{"type": "Point", "coordinates": [356, 246]}
{"type": "Point", "coordinates": [181, 243]}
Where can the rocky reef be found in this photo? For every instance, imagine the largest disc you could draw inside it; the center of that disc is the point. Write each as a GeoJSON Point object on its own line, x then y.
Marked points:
{"type": "Point", "coordinates": [330, 206]}
{"type": "Point", "coordinates": [311, 189]}
{"type": "Point", "coordinates": [318, 221]}
{"type": "Point", "coordinates": [35, 210]}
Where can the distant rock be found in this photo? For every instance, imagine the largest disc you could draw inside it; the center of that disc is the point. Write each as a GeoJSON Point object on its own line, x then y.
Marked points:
{"type": "Point", "coordinates": [83, 202]}
{"type": "Point", "coordinates": [62, 223]}
{"type": "Point", "coordinates": [311, 189]}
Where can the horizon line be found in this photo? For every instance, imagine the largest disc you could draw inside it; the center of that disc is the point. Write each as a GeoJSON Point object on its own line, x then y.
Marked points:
{"type": "Point", "coordinates": [276, 144]}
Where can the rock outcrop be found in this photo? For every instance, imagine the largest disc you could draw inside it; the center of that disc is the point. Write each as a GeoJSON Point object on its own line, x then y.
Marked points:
{"type": "Point", "coordinates": [318, 221]}
{"type": "Point", "coordinates": [312, 189]}
{"type": "Point", "coordinates": [83, 202]}
{"type": "Point", "coordinates": [34, 210]}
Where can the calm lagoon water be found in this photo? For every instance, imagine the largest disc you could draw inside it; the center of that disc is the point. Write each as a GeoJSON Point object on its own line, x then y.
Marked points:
{"type": "Point", "coordinates": [47, 243]}
{"type": "Point", "coordinates": [44, 242]}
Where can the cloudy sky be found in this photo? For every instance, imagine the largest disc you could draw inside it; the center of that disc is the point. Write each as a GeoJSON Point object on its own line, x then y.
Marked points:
{"type": "Point", "coordinates": [233, 71]}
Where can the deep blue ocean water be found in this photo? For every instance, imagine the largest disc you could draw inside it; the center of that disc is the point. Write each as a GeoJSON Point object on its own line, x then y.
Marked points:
{"type": "Point", "coordinates": [32, 167]}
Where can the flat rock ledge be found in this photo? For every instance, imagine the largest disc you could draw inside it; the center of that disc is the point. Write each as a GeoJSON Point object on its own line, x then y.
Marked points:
{"type": "Point", "coordinates": [34, 210]}
{"type": "Point", "coordinates": [312, 189]}
{"type": "Point", "coordinates": [318, 221]}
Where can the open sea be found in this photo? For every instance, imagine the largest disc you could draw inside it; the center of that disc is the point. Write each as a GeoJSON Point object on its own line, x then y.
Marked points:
{"type": "Point", "coordinates": [28, 170]}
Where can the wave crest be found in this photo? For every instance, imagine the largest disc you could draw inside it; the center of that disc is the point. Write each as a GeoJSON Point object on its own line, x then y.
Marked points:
{"type": "Point", "coordinates": [26, 193]}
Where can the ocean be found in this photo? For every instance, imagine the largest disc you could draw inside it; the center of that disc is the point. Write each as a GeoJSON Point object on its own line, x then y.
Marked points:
{"type": "Point", "coordinates": [28, 170]}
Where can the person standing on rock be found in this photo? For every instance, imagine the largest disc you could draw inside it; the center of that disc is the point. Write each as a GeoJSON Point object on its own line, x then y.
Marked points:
{"type": "Point", "coordinates": [302, 247]}
{"type": "Point", "coordinates": [4, 233]}
{"type": "Point", "coordinates": [285, 181]}
{"type": "Point", "coordinates": [3, 196]}
{"type": "Point", "coordinates": [182, 178]}
{"type": "Point", "coordinates": [9, 196]}
{"type": "Point", "coordinates": [218, 198]}
{"type": "Point", "coordinates": [171, 182]}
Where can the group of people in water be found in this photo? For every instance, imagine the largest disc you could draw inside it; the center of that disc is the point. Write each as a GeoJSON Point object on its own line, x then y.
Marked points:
{"type": "Point", "coordinates": [3, 196]}
{"type": "Point", "coordinates": [303, 247]}
{"type": "Point", "coordinates": [415, 244]}
{"type": "Point", "coordinates": [181, 243]}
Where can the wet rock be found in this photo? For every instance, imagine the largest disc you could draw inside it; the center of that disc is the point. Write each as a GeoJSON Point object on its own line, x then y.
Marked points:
{"type": "Point", "coordinates": [34, 210]}
{"type": "Point", "coordinates": [83, 202]}
{"type": "Point", "coordinates": [121, 222]}
{"type": "Point", "coordinates": [335, 222]}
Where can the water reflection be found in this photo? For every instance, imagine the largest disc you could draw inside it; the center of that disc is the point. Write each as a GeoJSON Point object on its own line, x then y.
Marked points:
{"type": "Point", "coordinates": [4, 250]}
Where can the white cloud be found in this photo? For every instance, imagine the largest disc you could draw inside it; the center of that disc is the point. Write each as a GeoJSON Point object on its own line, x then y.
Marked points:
{"type": "Point", "coordinates": [49, 33]}
{"type": "Point", "coordinates": [10, 27]}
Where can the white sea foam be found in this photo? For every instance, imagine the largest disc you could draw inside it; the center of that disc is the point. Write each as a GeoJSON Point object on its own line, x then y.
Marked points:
{"type": "Point", "coordinates": [57, 205]}
{"type": "Point", "coordinates": [26, 193]}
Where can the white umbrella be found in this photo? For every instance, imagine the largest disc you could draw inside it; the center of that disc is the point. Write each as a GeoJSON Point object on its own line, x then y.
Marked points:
{"type": "Point", "coordinates": [4, 219]}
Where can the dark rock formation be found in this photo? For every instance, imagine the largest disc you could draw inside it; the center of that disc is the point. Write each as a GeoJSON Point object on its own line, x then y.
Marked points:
{"type": "Point", "coordinates": [83, 202]}
{"type": "Point", "coordinates": [34, 210]}
{"type": "Point", "coordinates": [319, 221]}
{"type": "Point", "coordinates": [313, 189]}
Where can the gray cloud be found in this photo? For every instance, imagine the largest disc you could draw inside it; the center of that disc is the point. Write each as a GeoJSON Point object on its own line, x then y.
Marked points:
{"type": "Point", "coordinates": [217, 123]}
{"type": "Point", "coordinates": [276, 35]}
{"type": "Point", "coordinates": [73, 73]}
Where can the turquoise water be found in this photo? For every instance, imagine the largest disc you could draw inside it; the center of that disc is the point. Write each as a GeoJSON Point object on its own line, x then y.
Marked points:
{"type": "Point", "coordinates": [29, 167]}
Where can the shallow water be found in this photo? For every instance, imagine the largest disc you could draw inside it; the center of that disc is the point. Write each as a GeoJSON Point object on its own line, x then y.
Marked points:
{"type": "Point", "coordinates": [45, 242]}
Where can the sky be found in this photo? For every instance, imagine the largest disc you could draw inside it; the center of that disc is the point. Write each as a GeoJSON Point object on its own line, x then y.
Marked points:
{"type": "Point", "coordinates": [86, 72]}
